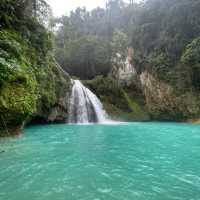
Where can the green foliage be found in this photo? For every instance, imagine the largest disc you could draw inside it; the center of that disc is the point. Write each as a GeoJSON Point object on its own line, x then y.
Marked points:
{"type": "Point", "coordinates": [19, 98]}
{"type": "Point", "coordinates": [191, 55]}
{"type": "Point", "coordinates": [18, 84]}
{"type": "Point", "coordinates": [13, 61]}
{"type": "Point", "coordinates": [164, 36]}
{"type": "Point", "coordinates": [119, 43]}
{"type": "Point", "coordinates": [30, 80]}
{"type": "Point", "coordinates": [7, 14]}
{"type": "Point", "coordinates": [132, 104]}
{"type": "Point", "coordinates": [191, 58]}
{"type": "Point", "coordinates": [86, 40]}
{"type": "Point", "coordinates": [166, 27]}
{"type": "Point", "coordinates": [85, 57]}
{"type": "Point", "coordinates": [118, 102]}
{"type": "Point", "coordinates": [158, 31]}
{"type": "Point", "coordinates": [160, 65]}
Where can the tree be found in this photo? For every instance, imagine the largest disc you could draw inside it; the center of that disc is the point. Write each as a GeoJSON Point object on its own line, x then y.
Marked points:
{"type": "Point", "coordinates": [119, 43]}
{"type": "Point", "coordinates": [18, 11]}
{"type": "Point", "coordinates": [157, 30]}
{"type": "Point", "coordinates": [85, 57]}
{"type": "Point", "coordinates": [191, 58]}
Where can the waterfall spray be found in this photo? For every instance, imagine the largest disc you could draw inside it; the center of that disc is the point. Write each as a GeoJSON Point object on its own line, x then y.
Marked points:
{"type": "Point", "coordinates": [85, 107]}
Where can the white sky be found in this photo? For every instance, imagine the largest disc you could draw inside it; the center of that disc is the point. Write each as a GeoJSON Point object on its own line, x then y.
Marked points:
{"type": "Point", "coordinates": [61, 7]}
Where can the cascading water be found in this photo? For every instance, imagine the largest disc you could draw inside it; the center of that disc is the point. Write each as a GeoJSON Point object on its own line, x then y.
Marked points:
{"type": "Point", "coordinates": [85, 107]}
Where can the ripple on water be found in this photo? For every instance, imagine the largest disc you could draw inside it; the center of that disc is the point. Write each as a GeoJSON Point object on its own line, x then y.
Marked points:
{"type": "Point", "coordinates": [132, 161]}
{"type": "Point", "coordinates": [104, 190]}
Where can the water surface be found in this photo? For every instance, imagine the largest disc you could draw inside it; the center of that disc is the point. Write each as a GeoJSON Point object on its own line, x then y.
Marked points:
{"type": "Point", "coordinates": [135, 161]}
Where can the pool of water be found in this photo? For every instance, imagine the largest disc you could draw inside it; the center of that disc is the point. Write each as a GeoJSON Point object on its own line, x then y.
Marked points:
{"type": "Point", "coordinates": [133, 161]}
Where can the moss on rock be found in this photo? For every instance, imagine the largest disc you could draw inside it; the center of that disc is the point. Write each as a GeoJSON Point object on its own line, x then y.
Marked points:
{"type": "Point", "coordinates": [31, 82]}
{"type": "Point", "coordinates": [120, 103]}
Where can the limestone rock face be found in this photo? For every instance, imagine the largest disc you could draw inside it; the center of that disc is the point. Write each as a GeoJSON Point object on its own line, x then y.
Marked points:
{"type": "Point", "coordinates": [164, 102]}
{"type": "Point", "coordinates": [59, 113]}
{"type": "Point", "coordinates": [124, 71]}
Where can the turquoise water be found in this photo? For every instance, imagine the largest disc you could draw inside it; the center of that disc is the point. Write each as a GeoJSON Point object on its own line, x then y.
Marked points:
{"type": "Point", "coordinates": [135, 161]}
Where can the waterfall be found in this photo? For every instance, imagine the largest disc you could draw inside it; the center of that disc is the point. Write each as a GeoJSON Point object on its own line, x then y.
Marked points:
{"type": "Point", "coordinates": [85, 107]}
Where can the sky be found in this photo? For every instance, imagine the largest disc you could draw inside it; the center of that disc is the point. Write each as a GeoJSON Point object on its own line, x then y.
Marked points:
{"type": "Point", "coordinates": [61, 7]}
